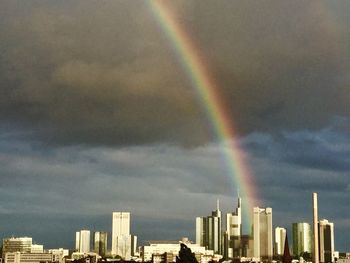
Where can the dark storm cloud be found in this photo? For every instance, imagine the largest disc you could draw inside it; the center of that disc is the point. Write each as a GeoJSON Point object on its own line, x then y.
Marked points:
{"type": "Point", "coordinates": [85, 72]}
{"type": "Point", "coordinates": [326, 149]}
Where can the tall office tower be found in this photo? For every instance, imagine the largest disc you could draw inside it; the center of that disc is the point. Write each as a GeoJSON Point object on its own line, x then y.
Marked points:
{"type": "Point", "coordinates": [315, 227]}
{"type": "Point", "coordinates": [84, 242]}
{"type": "Point", "coordinates": [262, 233]}
{"type": "Point", "coordinates": [16, 244]}
{"type": "Point", "coordinates": [208, 231]}
{"type": "Point", "coordinates": [77, 241]}
{"type": "Point", "coordinates": [280, 240]}
{"type": "Point", "coordinates": [122, 242]}
{"type": "Point", "coordinates": [234, 232]}
{"type": "Point", "coordinates": [100, 243]}
{"type": "Point", "coordinates": [301, 239]}
{"type": "Point", "coordinates": [201, 231]}
{"type": "Point", "coordinates": [326, 241]}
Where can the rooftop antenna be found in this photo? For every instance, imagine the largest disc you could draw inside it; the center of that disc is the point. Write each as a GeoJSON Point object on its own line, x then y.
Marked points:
{"type": "Point", "coordinates": [217, 204]}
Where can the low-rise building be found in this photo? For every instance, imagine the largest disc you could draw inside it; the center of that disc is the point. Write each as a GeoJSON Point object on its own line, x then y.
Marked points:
{"type": "Point", "coordinates": [18, 257]}
{"type": "Point", "coordinates": [166, 251]}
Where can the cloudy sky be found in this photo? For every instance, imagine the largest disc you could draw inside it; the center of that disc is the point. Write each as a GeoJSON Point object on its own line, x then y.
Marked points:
{"type": "Point", "coordinates": [98, 115]}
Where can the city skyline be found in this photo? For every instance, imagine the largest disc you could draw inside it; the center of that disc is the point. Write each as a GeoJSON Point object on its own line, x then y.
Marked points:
{"type": "Point", "coordinates": [210, 233]}
{"type": "Point", "coordinates": [100, 112]}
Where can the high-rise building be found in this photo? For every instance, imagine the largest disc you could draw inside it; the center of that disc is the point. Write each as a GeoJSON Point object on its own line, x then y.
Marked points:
{"type": "Point", "coordinates": [100, 243]}
{"type": "Point", "coordinates": [123, 244]}
{"type": "Point", "coordinates": [280, 240]}
{"type": "Point", "coordinates": [84, 242]}
{"type": "Point", "coordinates": [234, 232]}
{"type": "Point", "coordinates": [201, 231]}
{"type": "Point", "coordinates": [208, 231]}
{"type": "Point", "coordinates": [262, 233]}
{"type": "Point", "coordinates": [77, 241]}
{"type": "Point", "coordinates": [326, 241]}
{"type": "Point", "coordinates": [302, 241]}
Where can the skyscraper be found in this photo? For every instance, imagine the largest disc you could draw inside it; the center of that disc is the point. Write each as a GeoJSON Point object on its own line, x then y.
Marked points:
{"type": "Point", "coordinates": [280, 240]}
{"type": "Point", "coordinates": [208, 231]}
{"type": "Point", "coordinates": [122, 242]}
{"type": "Point", "coordinates": [234, 232]}
{"type": "Point", "coordinates": [301, 238]}
{"type": "Point", "coordinates": [326, 241]}
{"type": "Point", "coordinates": [100, 243]}
{"type": "Point", "coordinates": [262, 233]}
{"type": "Point", "coordinates": [84, 243]}
{"type": "Point", "coordinates": [77, 241]}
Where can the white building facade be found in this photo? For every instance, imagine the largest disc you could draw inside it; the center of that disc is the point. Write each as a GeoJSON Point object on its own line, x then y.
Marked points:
{"type": "Point", "coordinates": [123, 243]}
{"type": "Point", "coordinates": [262, 233]}
{"type": "Point", "coordinates": [280, 239]}
{"type": "Point", "coordinates": [326, 241]}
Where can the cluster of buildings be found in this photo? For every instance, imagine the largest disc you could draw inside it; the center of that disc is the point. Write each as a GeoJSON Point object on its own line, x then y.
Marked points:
{"type": "Point", "coordinates": [124, 245]}
{"type": "Point", "coordinates": [264, 243]}
{"type": "Point", "coordinates": [22, 250]}
{"type": "Point", "coordinates": [213, 242]}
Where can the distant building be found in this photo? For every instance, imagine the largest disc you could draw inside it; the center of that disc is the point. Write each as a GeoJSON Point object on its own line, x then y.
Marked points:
{"type": "Point", "coordinates": [77, 241]}
{"type": "Point", "coordinates": [58, 255]}
{"type": "Point", "coordinates": [166, 251]}
{"type": "Point", "coordinates": [84, 241]}
{"type": "Point", "coordinates": [302, 238]}
{"type": "Point", "coordinates": [90, 257]}
{"type": "Point", "coordinates": [262, 233]}
{"type": "Point", "coordinates": [17, 244]}
{"type": "Point", "coordinates": [280, 239]}
{"type": "Point", "coordinates": [326, 241]}
{"type": "Point", "coordinates": [232, 247]}
{"type": "Point", "coordinates": [208, 231]}
{"type": "Point", "coordinates": [37, 248]}
{"type": "Point", "coordinates": [123, 244]}
{"type": "Point", "coordinates": [100, 243]}
{"type": "Point", "coordinates": [19, 257]}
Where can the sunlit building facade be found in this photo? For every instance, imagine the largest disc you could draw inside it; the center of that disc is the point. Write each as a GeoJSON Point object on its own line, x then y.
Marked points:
{"type": "Point", "coordinates": [262, 233]}
{"type": "Point", "coordinates": [232, 245]}
{"type": "Point", "coordinates": [326, 241]}
{"type": "Point", "coordinates": [208, 231]}
{"type": "Point", "coordinates": [302, 238]}
{"type": "Point", "coordinates": [280, 239]}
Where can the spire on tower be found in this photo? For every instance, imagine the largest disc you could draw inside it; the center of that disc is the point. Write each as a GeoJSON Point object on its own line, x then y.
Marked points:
{"type": "Point", "coordinates": [217, 204]}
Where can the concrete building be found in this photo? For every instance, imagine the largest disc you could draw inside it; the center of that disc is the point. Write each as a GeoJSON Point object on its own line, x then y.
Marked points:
{"type": "Point", "coordinates": [37, 248]}
{"type": "Point", "coordinates": [166, 251]}
{"type": "Point", "coordinates": [84, 241]}
{"type": "Point", "coordinates": [17, 244]}
{"type": "Point", "coordinates": [58, 255]}
{"type": "Point", "coordinates": [77, 241]}
{"type": "Point", "coordinates": [302, 238]}
{"type": "Point", "coordinates": [262, 233]}
{"type": "Point", "coordinates": [123, 244]}
{"type": "Point", "coordinates": [232, 247]}
{"type": "Point", "coordinates": [100, 243]}
{"type": "Point", "coordinates": [280, 239]}
{"type": "Point", "coordinates": [208, 231]}
{"type": "Point", "coordinates": [19, 257]}
{"type": "Point", "coordinates": [326, 241]}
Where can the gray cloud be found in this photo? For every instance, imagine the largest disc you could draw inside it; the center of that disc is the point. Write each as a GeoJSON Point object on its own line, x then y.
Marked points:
{"type": "Point", "coordinates": [85, 72]}
{"type": "Point", "coordinates": [163, 186]}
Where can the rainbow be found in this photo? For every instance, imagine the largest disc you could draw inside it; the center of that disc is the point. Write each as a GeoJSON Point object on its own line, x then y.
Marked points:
{"type": "Point", "coordinates": [206, 90]}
